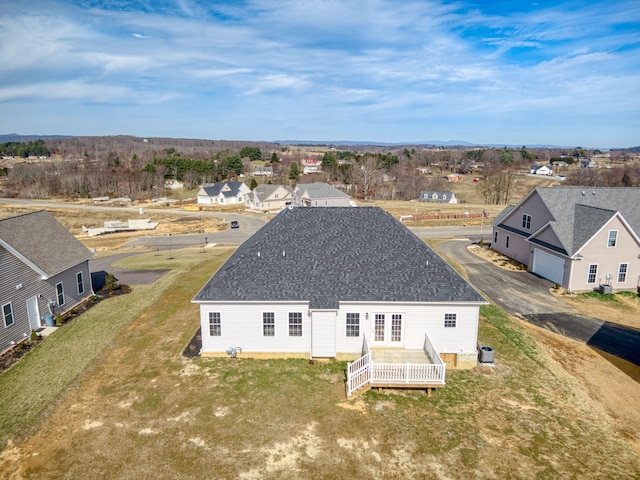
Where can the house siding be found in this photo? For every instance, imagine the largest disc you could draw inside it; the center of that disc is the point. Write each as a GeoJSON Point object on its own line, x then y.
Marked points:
{"type": "Point", "coordinates": [13, 273]}
{"type": "Point", "coordinates": [608, 259]}
{"type": "Point", "coordinates": [242, 327]}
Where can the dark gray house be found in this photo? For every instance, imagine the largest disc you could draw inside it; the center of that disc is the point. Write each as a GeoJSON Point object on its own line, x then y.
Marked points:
{"type": "Point", "coordinates": [43, 270]}
{"type": "Point", "coordinates": [347, 283]}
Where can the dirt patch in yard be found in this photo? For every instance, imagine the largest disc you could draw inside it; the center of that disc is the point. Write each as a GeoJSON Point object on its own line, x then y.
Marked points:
{"type": "Point", "coordinates": [496, 258]}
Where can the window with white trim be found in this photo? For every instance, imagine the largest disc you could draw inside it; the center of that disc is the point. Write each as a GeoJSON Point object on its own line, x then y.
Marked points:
{"type": "Point", "coordinates": [353, 325]}
{"type": "Point", "coordinates": [7, 314]}
{"type": "Point", "coordinates": [215, 324]}
{"type": "Point", "coordinates": [60, 293]}
{"type": "Point", "coordinates": [268, 324]}
{"type": "Point", "coordinates": [526, 221]}
{"type": "Point", "coordinates": [613, 238]}
{"type": "Point", "coordinates": [506, 241]}
{"type": "Point", "coordinates": [593, 272]}
{"type": "Point", "coordinates": [295, 324]}
{"type": "Point", "coordinates": [396, 327]}
{"type": "Point", "coordinates": [622, 272]}
{"type": "Point", "coordinates": [80, 283]}
{"type": "Point", "coordinates": [450, 320]}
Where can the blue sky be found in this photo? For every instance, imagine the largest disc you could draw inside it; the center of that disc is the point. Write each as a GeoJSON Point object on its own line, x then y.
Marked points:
{"type": "Point", "coordinates": [505, 72]}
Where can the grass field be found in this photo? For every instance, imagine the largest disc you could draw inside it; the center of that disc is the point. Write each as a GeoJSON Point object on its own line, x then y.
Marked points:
{"type": "Point", "coordinates": [110, 396]}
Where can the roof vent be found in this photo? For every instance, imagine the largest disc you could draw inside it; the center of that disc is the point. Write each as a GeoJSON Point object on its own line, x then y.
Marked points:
{"type": "Point", "coordinates": [258, 254]}
{"type": "Point", "coordinates": [583, 193]}
{"type": "Point", "coordinates": [426, 263]}
{"type": "Point", "coordinates": [593, 193]}
{"type": "Point", "coordinates": [283, 253]}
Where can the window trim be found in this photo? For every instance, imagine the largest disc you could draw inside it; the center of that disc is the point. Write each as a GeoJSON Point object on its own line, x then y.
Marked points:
{"type": "Point", "coordinates": [80, 283]}
{"type": "Point", "coordinates": [266, 324]}
{"type": "Point", "coordinates": [8, 315]}
{"type": "Point", "coordinates": [594, 274]}
{"type": "Point", "coordinates": [60, 294]}
{"type": "Point", "coordinates": [215, 324]}
{"type": "Point", "coordinates": [295, 324]}
{"type": "Point", "coordinates": [612, 240]}
{"type": "Point", "coordinates": [526, 221]}
{"type": "Point", "coordinates": [622, 275]}
{"type": "Point", "coordinates": [507, 238]}
{"type": "Point", "coordinates": [352, 325]}
{"type": "Point", "coordinates": [450, 320]}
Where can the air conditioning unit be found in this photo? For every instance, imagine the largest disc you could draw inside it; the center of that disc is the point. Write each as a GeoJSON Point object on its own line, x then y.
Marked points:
{"type": "Point", "coordinates": [486, 354]}
{"type": "Point", "coordinates": [605, 289]}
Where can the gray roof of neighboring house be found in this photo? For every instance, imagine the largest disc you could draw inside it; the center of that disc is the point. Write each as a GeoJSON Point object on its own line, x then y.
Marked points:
{"type": "Point", "coordinates": [319, 190]}
{"type": "Point", "coordinates": [264, 190]}
{"type": "Point", "coordinates": [40, 241]}
{"type": "Point", "coordinates": [579, 212]}
{"type": "Point", "coordinates": [215, 189]}
{"type": "Point", "coordinates": [329, 255]}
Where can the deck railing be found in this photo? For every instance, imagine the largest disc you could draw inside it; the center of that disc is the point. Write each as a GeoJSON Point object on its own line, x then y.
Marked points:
{"type": "Point", "coordinates": [365, 371]}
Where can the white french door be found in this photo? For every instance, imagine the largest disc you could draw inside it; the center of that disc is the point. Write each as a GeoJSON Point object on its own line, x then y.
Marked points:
{"type": "Point", "coordinates": [388, 329]}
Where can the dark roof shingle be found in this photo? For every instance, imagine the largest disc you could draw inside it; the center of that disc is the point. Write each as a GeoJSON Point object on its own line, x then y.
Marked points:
{"type": "Point", "coordinates": [330, 255]}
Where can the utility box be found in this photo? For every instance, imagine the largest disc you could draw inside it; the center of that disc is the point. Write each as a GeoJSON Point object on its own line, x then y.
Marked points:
{"type": "Point", "coordinates": [606, 289]}
{"type": "Point", "coordinates": [487, 354]}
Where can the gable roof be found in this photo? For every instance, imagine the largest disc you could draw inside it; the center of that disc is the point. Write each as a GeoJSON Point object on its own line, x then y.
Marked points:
{"type": "Point", "coordinates": [319, 190]}
{"type": "Point", "coordinates": [359, 254]}
{"type": "Point", "coordinates": [215, 189]}
{"type": "Point", "coordinates": [265, 190]}
{"type": "Point", "coordinates": [42, 243]}
{"type": "Point", "coordinates": [579, 212]}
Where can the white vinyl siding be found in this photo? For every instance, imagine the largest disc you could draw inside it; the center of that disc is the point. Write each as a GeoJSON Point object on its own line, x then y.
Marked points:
{"type": "Point", "coordinates": [245, 330]}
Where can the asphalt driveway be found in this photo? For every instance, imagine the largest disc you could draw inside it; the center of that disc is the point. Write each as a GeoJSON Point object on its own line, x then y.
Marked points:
{"type": "Point", "coordinates": [527, 296]}
{"type": "Point", "coordinates": [99, 267]}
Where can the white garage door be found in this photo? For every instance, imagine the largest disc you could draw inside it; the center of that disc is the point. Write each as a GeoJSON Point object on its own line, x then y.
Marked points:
{"type": "Point", "coordinates": [548, 266]}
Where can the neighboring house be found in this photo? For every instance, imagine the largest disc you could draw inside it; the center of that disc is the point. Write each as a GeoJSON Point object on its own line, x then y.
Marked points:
{"type": "Point", "coordinates": [173, 185]}
{"type": "Point", "coordinates": [223, 193]}
{"type": "Point", "coordinates": [541, 170]}
{"type": "Point", "coordinates": [268, 197]}
{"type": "Point", "coordinates": [368, 285]}
{"type": "Point", "coordinates": [261, 171]}
{"type": "Point", "coordinates": [577, 237]}
{"type": "Point", "coordinates": [454, 177]}
{"type": "Point", "coordinates": [319, 195]}
{"type": "Point", "coordinates": [437, 197]}
{"type": "Point", "coordinates": [588, 164]}
{"type": "Point", "coordinates": [43, 270]}
{"type": "Point", "coordinates": [310, 165]}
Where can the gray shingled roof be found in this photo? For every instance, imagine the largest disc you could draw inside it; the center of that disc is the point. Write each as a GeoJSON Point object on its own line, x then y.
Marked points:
{"type": "Point", "coordinates": [440, 196]}
{"type": "Point", "coordinates": [214, 190]}
{"type": "Point", "coordinates": [329, 255]}
{"type": "Point", "coordinates": [263, 190]}
{"type": "Point", "coordinates": [319, 190]}
{"type": "Point", "coordinates": [42, 242]}
{"type": "Point", "coordinates": [579, 212]}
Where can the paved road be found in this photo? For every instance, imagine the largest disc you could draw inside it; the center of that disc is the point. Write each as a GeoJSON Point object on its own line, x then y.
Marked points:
{"type": "Point", "coordinates": [99, 267]}
{"type": "Point", "coordinates": [524, 295]}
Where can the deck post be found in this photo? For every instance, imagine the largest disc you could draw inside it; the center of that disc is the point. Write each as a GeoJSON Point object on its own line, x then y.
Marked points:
{"type": "Point", "coordinates": [429, 392]}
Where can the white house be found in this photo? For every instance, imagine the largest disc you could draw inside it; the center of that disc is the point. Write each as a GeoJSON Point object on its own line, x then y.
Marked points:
{"type": "Point", "coordinates": [319, 194]}
{"type": "Point", "coordinates": [223, 193]}
{"type": "Point", "coordinates": [541, 170]}
{"type": "Point", "coordinates": [437, 197]}
{"type": "Point", "coordinates": [368, 285]}
{"type": "Point", "coordinates": [267, 197]}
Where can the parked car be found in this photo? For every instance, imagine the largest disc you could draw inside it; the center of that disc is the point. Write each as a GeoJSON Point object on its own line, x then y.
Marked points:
{"type": "Point", "coordinates": [235, 224]}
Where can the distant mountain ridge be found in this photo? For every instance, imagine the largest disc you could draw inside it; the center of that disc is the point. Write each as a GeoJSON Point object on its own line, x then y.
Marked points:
{"type": "Point", "coordinates": [14, 137]}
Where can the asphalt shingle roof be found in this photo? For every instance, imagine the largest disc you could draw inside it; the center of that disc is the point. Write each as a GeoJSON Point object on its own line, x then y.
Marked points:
{"type": "Point", "coordinates": [329, 255]}
{"type": "Point", "coordinates": [214, 190]}
{"type": "Point", "coordinates": [579, 212]}
{"type": "Point", "coordinates": [319, 190]}
{"type": "Point", "coordinates": [43, 241]}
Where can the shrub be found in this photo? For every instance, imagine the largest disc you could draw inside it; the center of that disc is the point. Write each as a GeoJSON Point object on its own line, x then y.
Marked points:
{"type": "Point", "coordinates": [34, 336]}
{"type": "Point", "coordinates": [557, 286]}
{"type": "Point", "coordinates": [59, 319]}
{"type": "Point", "coordinates": [111, 282]}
